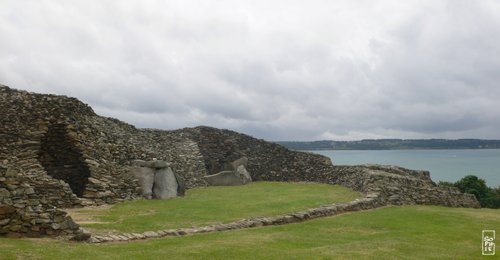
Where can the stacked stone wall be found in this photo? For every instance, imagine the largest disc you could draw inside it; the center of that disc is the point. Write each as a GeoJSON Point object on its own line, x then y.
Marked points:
{"type": "Point", "coordinates": [65, 140]}
{"type": "Point", "coordinates": [24, 211]}
{"type": "Point", "coordinates": [266, 161]}
{"type": "Point", "coordinates": [401, 186]}
{"type": "Point", "coordinates": [272, 162]}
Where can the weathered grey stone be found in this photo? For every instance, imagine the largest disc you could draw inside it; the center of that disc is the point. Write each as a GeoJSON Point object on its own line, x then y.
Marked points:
{"type": "Point", "coordinates": [150, 234]}
{"type": "Point", "coordinates": [146, 178]}
{"type": "Point", "coordinates": [138, 236]}
{"type": "Point", "coordinates": [165, 184]}
{"type": "Point", "coordinates": [115, 237]}
{"type": "Point", "coordinates": [82, 235]}
{"type": "Point", "coordinates": [11, 172]}
{"type": "Point", "coordinates": [230, 178]}
{"type": "Point", "coordinates": [158, 164]}
{"type": "Point", "coordinates": [242, 173]}
{"type": "Point", "coordinates": [55, 226]}
{"type": "Point", "coordinates": [224, 178]}
{"type": "Point", "coordinates": [15, 228]}
{"type": "Point", "coordinates": [4, 193]}
{"type": "Point", "coordinates": [181, 188]}
{"type": "Point", "coordinates": [92, 163]}
{"type": "Point", "coordinates": [123, 238]}
{"type": "Point", "coordinates": [232, 166]}
{"type": "Point", "coordinates": [69, 224]}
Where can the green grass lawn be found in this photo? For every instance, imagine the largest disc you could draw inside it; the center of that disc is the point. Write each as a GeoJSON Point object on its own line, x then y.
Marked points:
{"type": "Point", "coordinates": [205, 206]}
{"type": "Point", "coordinates": [413, 232]}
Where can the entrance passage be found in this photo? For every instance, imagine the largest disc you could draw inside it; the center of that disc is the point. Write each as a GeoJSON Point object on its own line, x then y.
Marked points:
{"type": "Point", "coordinates": [62, 160]}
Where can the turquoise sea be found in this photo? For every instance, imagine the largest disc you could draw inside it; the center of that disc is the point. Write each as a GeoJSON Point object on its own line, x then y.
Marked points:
{"type": "Point", "coordinates": [444, 165]}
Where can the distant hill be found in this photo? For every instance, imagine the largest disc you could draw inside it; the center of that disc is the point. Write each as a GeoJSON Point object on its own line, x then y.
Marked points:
{"type": "Point", "coordinates": [394, 144]}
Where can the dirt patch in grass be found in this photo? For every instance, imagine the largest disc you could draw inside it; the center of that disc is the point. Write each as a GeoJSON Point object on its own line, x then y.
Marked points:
{"type": "Point", "coordinates": [88, 215]}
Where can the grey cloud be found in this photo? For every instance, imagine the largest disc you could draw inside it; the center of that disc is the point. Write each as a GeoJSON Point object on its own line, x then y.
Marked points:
{"type": "Point", "coordinates": [280, 70]}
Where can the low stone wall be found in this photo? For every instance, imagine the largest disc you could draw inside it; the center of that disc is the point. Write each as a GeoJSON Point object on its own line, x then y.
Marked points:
{"type": "Point", "coordinates": [272, 162]}
{"type": "Point", "coordinates": [295, 217]}
{"type": "Point", "coordinates": [23, 211]}
{"type": "Point", "coordinates": [401, 186]}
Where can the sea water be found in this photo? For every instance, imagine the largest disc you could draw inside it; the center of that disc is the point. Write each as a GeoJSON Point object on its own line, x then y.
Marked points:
{"type": "Point", "coordinates": [444, 165]}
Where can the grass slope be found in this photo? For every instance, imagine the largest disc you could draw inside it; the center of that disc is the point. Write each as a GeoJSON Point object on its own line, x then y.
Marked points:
{"type": "Point", "coordinates": [415, 232]}
{"type": "Point", "coordinates": [204, 206]}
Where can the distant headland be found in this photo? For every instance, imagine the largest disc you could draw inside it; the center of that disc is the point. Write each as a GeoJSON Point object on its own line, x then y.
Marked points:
{"type": "Point", "coordinates": [393, 144]}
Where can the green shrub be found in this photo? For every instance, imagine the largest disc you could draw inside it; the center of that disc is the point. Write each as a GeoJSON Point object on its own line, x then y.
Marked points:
{"type": "Point", "coordinates": [446, 183]}
{"type": "Point", "coordinates": [487, 197]}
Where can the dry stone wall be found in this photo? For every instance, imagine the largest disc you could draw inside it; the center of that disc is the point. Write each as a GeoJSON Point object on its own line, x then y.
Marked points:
{"type": "Point", "coordinates": [24, 211]}
{"type": "Point", "coordinates": [266, 161]}
{"type": "Point", "coordinates": [72, 157]}
{"type": "Point", "coordinates": [400, 186]}
{"type": "Point", "coordinates": [272, 162]}
{"type": "Point", "coordinates": [57, 153]}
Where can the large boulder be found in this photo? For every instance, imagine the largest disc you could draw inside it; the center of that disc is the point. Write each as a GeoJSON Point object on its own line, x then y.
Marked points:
{"type": "Point", "coordinates": [232, 166]}
{"type": "Point", "coordinates": [242, 173]}
{"type": "Point", "coordinates": [165, 184]}
{"type": "Point", "coordinates": [181, 185]}
{"type": "Point", "coordinates": [229, 178]}
{"type": "Point", "coordinates": [157, 164]}
{"type": "Point", "coordinates": [146, 178]}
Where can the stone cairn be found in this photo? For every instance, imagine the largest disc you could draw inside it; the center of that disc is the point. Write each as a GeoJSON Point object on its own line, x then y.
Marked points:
{"type": "Point", "coordinates": [56, 153]}
{"type": "Point", "coordinates": [157, 179]}
{"type": "Point", "coordinates": [234, 173]}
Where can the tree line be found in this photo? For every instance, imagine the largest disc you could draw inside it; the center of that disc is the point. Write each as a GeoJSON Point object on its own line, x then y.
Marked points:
{"type": "Point", "coordinates": [393, 144]}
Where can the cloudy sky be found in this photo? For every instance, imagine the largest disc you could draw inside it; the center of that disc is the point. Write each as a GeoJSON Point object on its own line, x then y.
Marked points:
{"type": "Point", "coordinates": [274, 69]}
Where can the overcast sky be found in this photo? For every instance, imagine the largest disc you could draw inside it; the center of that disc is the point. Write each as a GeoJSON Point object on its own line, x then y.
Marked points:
{"type": "Point", "coordinates": [278, 70]}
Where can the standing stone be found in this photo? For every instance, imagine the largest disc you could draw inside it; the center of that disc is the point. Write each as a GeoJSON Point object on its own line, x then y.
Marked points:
{"type": "Point", "coordinates": [165, 184]}
{"type": "Point", "coordinates": [146, 178]}
{"type": "Point", "coordinates": [242, 173]}
{"type": "Point", "coordinates": [181, 189]}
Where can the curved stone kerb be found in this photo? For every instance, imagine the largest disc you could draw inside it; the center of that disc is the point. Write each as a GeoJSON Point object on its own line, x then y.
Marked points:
{"type": "Point", "coordinates": [368, 202]}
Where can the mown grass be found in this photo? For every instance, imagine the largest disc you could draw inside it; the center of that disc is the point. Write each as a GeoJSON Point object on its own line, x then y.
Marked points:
{"type": "Point", "coordinates": [413, 232]}
{"type": "Point", "coordinates": [205, 206]}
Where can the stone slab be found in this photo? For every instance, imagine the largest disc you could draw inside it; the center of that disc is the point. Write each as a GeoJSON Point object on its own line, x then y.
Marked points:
{"type": "Point", "coordinates": [165, 184]}
{"type": "Point", "coordinates": [232, 166]}
{"type": "Point", "coordinates": [146, 178]}
{"type": "Point", "coordinates": [229, 178]}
